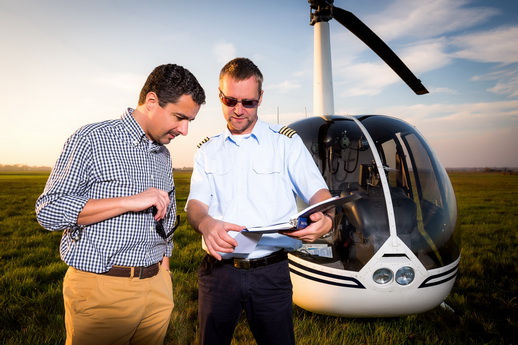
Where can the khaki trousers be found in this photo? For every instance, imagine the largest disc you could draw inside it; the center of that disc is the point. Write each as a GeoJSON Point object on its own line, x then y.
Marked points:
{"type": "Point", "coordinates": [102, 309]}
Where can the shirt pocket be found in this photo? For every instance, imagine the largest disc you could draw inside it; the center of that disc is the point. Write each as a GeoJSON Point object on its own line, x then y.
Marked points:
{"type": "Point", "coordinates": [221, 184]}
{"type": "Point", "coordinates": [267, 178]}
{"type": "Point", "coordinates": [114, 181]}
{"type": "Point", "coordinates": [270, 189]}
{"type": "Point", "coordinates": [267, 167]}
{"type": "Point", "coordinates": [217, 167]}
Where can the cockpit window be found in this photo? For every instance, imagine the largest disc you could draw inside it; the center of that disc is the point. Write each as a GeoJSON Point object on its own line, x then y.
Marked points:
{"type": "Point", "coordinates": [423, 202]}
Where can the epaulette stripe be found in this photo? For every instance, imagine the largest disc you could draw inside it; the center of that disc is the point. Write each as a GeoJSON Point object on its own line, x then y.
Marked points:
{"type": "Point", "coordinates": [287, 131]}
{"type": "Point", "coordinates": [203, 141]}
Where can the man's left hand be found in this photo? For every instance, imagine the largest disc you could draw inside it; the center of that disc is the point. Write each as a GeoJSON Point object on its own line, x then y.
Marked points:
{"type": "Point", "coordinates": [319, 226]}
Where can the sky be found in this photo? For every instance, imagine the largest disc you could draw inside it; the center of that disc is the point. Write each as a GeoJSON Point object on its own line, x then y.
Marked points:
{"type": "Point", "coordinates": [67, 63]}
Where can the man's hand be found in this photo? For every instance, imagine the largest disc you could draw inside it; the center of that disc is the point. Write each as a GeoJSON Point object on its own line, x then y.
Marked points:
{"type": "Point", "coordinates": [215, 232]}
{"type": "Point", "coordinates": [320, 225]}
{"type": "Point", "coordinates": [97, 210]}
{"type": "Point", "coordinates": [165, 263]}
{"type": "Point", "coordinates": [149, 198]}
{"type": "Point", "coordinates": [216, 237]}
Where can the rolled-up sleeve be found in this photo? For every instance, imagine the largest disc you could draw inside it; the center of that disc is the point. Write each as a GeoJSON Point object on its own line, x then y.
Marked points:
{"type": "Point", "coordinates": [65, 193]}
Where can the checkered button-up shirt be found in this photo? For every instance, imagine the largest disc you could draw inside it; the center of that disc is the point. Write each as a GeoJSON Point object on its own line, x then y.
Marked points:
{"type": "Point", "coordinates": [109, 159]}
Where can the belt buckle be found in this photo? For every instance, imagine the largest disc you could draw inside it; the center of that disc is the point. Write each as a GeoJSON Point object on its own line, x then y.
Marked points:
{"type": "Point", "coordinates": [243, 263]}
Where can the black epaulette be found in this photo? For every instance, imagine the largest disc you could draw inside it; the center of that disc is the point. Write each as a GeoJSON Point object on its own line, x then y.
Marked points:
{"type": "Point", "coordinates": [287, 131]}
{"type": "Point", "coordinates": [203, 142]}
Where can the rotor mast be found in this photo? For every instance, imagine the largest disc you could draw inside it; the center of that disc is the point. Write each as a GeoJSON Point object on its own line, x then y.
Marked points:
{"type": "Point", "coordinates": [323, 99]}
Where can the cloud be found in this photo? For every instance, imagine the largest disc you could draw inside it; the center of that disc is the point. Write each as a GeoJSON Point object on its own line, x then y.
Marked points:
{"type": "Point", "coordinates": [363, 78]}
{"type": "Point", "coordinates": [489, 46]}
{"type": "Point", "coordinates": [459, 118]}
{"type": "Point", "coordinates": [466, 134]}
{"type": "Point", "coordinates": [424, 19]}
{"type": "Point", "coordinates": [224, 52]}
{"type": "Point", "coordinates": [426, 56]}
{"type": "Point", "coordinates": [506, 87]}
{"type": "Point", "coordinates": [125, 81]}
{"type": "Point", "coordinates": [285, 86]}
{"type": "Point", "coordinates": [444, 90]}
{"type": "Point", "coordinates": [493, 46]}
{"type": "Point", "coordinates": [506, 81]}
{"type": "Point", "coordinates": [424, 25]}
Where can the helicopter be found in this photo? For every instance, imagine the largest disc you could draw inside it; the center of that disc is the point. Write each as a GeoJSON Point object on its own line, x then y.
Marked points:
{"type": "Point", "coordinates": [395, 250]}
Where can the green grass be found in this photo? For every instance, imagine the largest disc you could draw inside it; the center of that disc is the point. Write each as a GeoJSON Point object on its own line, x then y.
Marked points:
{"type": "Point", "coordinates": [484, 296]}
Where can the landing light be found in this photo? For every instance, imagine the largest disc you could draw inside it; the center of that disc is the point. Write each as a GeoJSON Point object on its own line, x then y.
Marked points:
{"type": "Point", "coordinates": [405, 275]}
{"type": "Point", "coordinates": [383, 276]}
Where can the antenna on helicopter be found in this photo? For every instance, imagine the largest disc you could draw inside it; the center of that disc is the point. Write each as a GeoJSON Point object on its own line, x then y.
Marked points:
{"type": "Point", "coordinates": [321, 12]}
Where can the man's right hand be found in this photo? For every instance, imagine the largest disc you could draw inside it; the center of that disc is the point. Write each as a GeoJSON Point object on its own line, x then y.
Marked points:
{"type": "Point", "coordinates": [215, 232]}
{"type": "Point", "coordinates": [149, 198]}
{"type": "Point", "coordinates": [216, 237]}
{"type": "Point", "coordinates": [97, 210]}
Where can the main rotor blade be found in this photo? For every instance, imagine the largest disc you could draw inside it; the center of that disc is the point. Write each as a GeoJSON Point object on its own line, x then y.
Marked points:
{"type": "Point", "coordinates": [362, 31]}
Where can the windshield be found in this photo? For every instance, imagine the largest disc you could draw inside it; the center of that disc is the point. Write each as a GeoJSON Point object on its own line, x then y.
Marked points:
{"type": "Point", "coordinates": [414, 173]}
{"type": "Point", "coordinates": [424, 204]}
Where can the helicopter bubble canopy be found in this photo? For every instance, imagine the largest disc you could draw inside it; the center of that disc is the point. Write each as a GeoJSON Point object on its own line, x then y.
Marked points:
{"type": "Point", "coordinates": [406, 195]}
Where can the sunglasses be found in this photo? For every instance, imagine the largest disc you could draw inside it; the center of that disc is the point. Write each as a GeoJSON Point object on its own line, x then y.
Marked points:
{"type": "Point", "coordinates": [159, 226]}
{"type": "Point", "coordinates": [232, 102]}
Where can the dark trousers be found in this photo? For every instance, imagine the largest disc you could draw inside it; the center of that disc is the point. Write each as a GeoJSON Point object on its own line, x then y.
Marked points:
{"type": "Point", "coordinates": [265, 293]}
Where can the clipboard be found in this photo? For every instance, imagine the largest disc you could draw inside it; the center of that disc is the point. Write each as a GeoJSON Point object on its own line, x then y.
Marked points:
{"type": "Point", "coordinates": [301, 219]}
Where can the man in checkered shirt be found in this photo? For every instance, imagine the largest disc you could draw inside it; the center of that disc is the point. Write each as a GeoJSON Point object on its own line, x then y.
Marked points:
{"type": "Point", "coordinates": [112, 193]}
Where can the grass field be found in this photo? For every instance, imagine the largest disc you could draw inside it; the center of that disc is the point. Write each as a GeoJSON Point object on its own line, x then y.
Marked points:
{"type": "Point", "coordinates": [484, 296]}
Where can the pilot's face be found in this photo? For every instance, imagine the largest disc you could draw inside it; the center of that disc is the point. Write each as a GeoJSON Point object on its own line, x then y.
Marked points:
{"type": "Point", "coordinates": [240, 119]}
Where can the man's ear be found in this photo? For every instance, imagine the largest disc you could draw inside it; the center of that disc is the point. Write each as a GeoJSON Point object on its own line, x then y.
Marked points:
{"type": "Point", "coordinates": [261, 98]}
{"type": "Point", "coordinates": [151, 100]}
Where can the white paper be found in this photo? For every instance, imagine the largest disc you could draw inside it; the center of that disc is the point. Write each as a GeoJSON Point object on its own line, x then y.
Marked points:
{"type": "Point", "coordinates": [318, 207]}
{"type": "Point", "coordinates": [270, 228]}
{"type": "Point", "coordinates": [246, 242]}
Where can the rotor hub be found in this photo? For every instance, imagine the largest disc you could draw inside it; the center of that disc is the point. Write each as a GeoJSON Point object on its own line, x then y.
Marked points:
{"type": "Point", "coordinates": [320, 11]}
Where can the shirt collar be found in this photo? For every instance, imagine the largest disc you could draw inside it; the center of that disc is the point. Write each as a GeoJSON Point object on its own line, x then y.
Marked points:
{"type": "Point", "coordinates": [258, 132]}
{"type": "Point", "coordinates": [136, 132]}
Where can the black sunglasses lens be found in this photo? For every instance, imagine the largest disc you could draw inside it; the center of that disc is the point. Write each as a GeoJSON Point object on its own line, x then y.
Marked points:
{"type": "Point", "coordinates": [229, 102]}
{"type": "Point", "coordinates": [249, 103]}
{"type": "Point", "coordinates": [232, 102]}
{"type": "Point", "coordinates": [160, 229]}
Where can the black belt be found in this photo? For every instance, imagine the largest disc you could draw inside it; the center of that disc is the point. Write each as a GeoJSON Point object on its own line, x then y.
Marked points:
{"type": "Point", "coordinates": [130, 272]}
{"type": "Point", "coordinates": [246, 264]}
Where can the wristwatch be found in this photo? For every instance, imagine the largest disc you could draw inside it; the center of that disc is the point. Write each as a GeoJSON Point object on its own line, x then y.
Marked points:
{"type": "Point", "coordinates": [330, 233]}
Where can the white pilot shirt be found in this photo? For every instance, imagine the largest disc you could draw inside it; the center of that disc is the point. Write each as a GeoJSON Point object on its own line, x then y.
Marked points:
{"type": "Point", "coordinates": [253, 181]}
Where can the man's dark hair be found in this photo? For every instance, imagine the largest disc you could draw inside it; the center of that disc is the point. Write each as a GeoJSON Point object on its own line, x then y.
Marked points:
{"type": "Point", "coordinates": [241, 69]}
{"type": "Point", "coordinates": [170, 82]}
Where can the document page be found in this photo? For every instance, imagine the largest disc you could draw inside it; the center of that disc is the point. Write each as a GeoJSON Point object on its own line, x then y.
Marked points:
{"type": "Point", "coordinates": [301, 219]}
